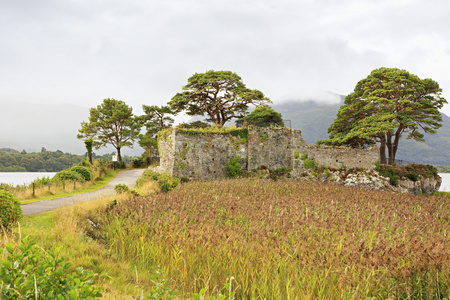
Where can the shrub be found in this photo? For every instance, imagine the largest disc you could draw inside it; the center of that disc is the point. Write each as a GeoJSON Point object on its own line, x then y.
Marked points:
{"type": "Point", "coordinates": [121, 188]}
{"type": "Point", "coordinates": [165, 181]}
{"type": "Point", "coordinates": [68, 175]}
{"type": "Point", "coordinates": [82, 171]}
{"type": "Point", "coordinates": [10, 210]}
{"type": "Point", "coordinates": [121, 165]}
{"type": "Point", "coordinates": [29, 272]}
{"type": "Point", "coordinates": [139, 163]}
{"type": "Point", "coordinates": [234, 167]}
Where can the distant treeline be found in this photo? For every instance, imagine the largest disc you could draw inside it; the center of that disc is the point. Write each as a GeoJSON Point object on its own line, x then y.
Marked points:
{"type": "Point", "coordinates": [45, 161]}
{"type": "Point", "coordinates": [443, 169]}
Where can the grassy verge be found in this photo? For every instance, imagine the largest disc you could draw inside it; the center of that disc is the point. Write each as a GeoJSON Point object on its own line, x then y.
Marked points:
{"type": "Point", "coordinates": [26, 196]}
{"type": "Point", "coordinates": [63, 229]}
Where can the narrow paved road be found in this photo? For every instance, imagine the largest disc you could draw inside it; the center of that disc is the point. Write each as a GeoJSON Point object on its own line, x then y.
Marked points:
{"type": "Point", "coordinates": [127, 177]}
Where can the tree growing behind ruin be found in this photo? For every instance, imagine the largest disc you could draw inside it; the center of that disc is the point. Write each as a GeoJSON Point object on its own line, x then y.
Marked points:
{"type": "Point", "coordinates": [113, 123]}
{"type": "Point", "coordinates": [155, 118]}
{"type": "Point", "coordinates": [264, 116]}
{"type": "Point", "coordinates": [383, 107]}
{"type": "Point", "coordinates": [221, 95]}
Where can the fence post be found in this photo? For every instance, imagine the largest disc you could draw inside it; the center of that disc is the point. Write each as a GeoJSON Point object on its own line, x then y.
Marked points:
{"type": "Point", "coordinates": [64, 184]}
{"type": "Point", "coordinates": [33, 189]}
{"type": "Point", "coordinates": [74, 185]}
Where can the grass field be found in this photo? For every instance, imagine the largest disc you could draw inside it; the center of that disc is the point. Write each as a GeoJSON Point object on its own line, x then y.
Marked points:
{"type": "Point", "coordinates": [286, 240]}
{"type": "Point", "coordinates": [256, 238]}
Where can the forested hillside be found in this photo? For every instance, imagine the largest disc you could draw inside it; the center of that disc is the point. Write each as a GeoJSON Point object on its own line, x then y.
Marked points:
{"type": "Point", "coordinates": [314, 118]}
{"type": "Point", "coordinates": [45, 161]}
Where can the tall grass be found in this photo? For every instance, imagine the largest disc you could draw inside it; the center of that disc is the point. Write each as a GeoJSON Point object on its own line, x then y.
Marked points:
{"type": "Point", "coordinates": [287, 240]}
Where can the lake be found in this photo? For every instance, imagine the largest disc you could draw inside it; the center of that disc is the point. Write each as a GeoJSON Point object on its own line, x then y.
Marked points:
{"type": "Point", "coordinates": [20, 178]}
{"type": "Point", "coordinates": [445, 186]}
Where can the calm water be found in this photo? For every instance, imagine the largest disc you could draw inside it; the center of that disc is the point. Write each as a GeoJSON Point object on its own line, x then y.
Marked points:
{"type": "Point", "coordinates": [20, 178]}
{"type": "Point", "coordinates": [445, 186]}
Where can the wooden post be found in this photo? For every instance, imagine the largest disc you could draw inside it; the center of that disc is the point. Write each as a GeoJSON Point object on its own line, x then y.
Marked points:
{"type": "Point", "coordinates": [64, 184]}
{"type": "Point", "coordinates": [74, 185]}
{"type": "Point", "coordinates": [33, 189]}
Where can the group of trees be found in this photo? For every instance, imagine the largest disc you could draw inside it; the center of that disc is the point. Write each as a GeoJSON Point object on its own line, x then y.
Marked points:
{"type": "Point", "coordinates": [220, 95]}
{"type": "Point", "coordinates": [386, 105]}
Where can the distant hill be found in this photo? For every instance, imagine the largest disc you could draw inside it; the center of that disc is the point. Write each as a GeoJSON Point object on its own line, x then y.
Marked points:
{"type": "Point", "coordinates": [314, 118]}
{"type": "Point", "coordinates": [33, 125]}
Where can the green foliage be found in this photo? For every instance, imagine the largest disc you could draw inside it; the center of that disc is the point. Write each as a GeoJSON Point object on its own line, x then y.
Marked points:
{"type": "Point", "coordinates": [264, 116]}
{"type": "Point", "coordinates": [411, 172]}
{"type": "Point", "coordinates": [112, 123]}
{"type": "Point", "coordinates": [165, 181]}
{"type": "Point", "coordinates": [67, 175]}
{"type": "Point", "coordinates": [156, 118]}
{"type": "Point", "coordinates": [89, 143]}
{"type": "Point", "coordinates": [121, 188]}
{"type": "Point", "coordinates": [82, 171]}
{"type": "Point", "coordinates": [307, 163]}
{"type": "Point", "coordinates": [139, 163]}
{"type": "Point", "coordinates": [296, 154]}
{"type": "Point", "coordinates": [27, 272]}
{"type": "Point", "coordinates": [221, 95]}
{"type": "Point", "coordinates": [383, 107]}
{"type": "Point", "coordinates": [234, 166]}
{"type": "Point", "coordinates": [10, 210]}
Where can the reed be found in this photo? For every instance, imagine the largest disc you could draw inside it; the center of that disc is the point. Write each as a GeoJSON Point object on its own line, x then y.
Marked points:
{"type": "Point", "coordinates": [287, 240]}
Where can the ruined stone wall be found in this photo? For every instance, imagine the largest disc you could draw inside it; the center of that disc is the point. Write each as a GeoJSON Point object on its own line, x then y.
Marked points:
{"type": "Point", "coordinates": [166, 148]}
{"type": "Point", "coordinates": [203, 156]}
{"type": "Point", "coordinates": [273, 148]}
{"type": "Point", "coordinates": [337, 157]}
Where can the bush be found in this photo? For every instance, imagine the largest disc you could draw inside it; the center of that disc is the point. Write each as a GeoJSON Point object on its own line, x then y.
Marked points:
{"type": "Point", "coordinates": [10, 210]}
{"type": "Point", "coordinates": [68, 175]}
{"type": "Point", "coordinates": [139, 163]}
{"type": "Point", "coordinates": [166, 182]}
{"type": "Point", "coordinates": [82, 171]}
{"type": "Point", "coordinates": [28, 271]}
{"type": "Point", "coordinates": [121, 188]}
{"type": "Point", "coordinates": [234, 167]}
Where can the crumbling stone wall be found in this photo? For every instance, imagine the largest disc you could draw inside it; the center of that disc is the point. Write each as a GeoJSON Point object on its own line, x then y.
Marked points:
{"type": "Point", "coordinates": [338, 157]}
{"type": "Point", "coordinates": [203, 156]}
{"type": "Point", "coordinates": [273, 148]}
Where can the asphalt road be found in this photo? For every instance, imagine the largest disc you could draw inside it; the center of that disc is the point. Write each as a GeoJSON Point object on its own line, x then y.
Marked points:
{"type": "Point", "coordinates": [127, 177]}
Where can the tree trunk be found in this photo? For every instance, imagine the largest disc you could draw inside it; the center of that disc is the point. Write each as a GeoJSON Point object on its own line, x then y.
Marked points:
{"type": "Point", "coordinates": [390, 148]}
{"type": "Point", "coordinates": [90, 157]}
{"type": "Point", "coordinates": [383, 159]}
{"type": "Point", "coordinates": [119, 156]}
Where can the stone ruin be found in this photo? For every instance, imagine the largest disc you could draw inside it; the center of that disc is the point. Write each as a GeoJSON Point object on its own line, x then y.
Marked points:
{"type": "Point", "coordinates": [193, 154]}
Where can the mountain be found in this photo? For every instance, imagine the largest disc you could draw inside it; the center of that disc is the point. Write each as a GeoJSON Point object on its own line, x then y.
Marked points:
{"type": "Point", "coordinates": [313, 119]}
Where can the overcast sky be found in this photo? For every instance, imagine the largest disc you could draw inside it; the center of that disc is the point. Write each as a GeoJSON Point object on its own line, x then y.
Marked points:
{"type": "Point", "coordinates": [143, 51]}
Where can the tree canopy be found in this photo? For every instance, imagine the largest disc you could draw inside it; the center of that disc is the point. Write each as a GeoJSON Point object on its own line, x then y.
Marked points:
{"type": "Point", "coordinates": [156, 118]}
{"type": "Point", "coordinates": [264, 116]}
{"type": "Point", "coordinates": [383, 107]}
{"type": "Point", "coordinates": [221, 95]}
{"type": "Point", "coordinates": [111, 122]}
